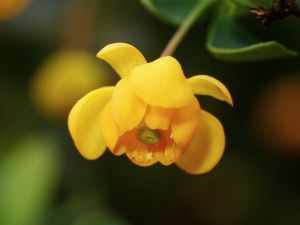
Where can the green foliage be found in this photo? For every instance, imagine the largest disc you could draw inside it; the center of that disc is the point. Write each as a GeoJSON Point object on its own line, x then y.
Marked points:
{"type": "Point", "coordinates": [173, 11]}
{"type": "Point", "coordinates": [100, 218]}
{"type": "Point", "coordinates": [265, 4]}
{"type": "Point", "coordinates": [79, 203]}
{"type": "Point", "coordinates": [229, 39]}
{"type": "Point", "coordinates": [28, 176]}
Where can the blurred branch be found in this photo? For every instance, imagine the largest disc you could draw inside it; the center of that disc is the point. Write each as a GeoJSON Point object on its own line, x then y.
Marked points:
{"type": "Point", "coordinates": [79, 23]}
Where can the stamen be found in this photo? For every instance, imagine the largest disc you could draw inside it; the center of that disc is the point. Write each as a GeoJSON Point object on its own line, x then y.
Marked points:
{"type": "Point", "coordinates": [149, 136]}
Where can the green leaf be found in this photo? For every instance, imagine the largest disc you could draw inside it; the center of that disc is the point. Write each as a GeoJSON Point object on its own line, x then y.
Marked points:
{"type": "Point", "coordinates": [28, 176]}
{"type": "Point", "coordinates": [230, 40]}
{"type": "Point", "coordinates": [265, 4]}
{"type": "Point", "coordinates": [96, 218]}
{"type": "Point", "coordinates": [174, 11]}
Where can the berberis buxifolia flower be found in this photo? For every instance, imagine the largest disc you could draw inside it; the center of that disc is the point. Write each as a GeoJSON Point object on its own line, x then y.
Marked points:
{"type": "Point", "coordinates": [151, 115]}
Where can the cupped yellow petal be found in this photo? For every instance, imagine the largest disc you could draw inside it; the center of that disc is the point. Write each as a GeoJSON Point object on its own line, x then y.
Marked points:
{"type": "Point", "coordinates": [158, 118]}
{"type": "Point", "coordinates": [169, 155]}
{"type": "Point", "coordinates": [84, 122]}
{"type": "Point", "coordinates": [206, 148]}
{"type": "Point", "coordinates": [207, 85]}
{"type": "Point", "coordinates": [122, 57]}
{"type": "Point", "coordinates": [162, 83]}
{"type": "Point", "coordinates": [109, 128]}
{"type": "Point", "coordinates": [128, 109]}
{"type": "Point", "coordinates": [126, 142]}
{"type": "Point", "coordinates": [141, 156]}
{"type": "Point", "coordinates": [185, 123]}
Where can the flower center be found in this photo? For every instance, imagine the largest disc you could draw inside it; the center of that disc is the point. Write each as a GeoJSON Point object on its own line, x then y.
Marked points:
{"type": "Point", "coordinates": [149, 136]}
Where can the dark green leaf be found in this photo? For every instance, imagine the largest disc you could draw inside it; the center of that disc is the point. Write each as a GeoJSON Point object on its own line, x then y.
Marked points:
{"type": "Point", "coordinates": [28, 175]}
{"type": "Point", "coordinates": [96, 218]}
{"type": "Point", "coordinates": [265, 4]}
{"type": "Point", "coordinates": [230, 40]}
{"type": "Point", "coordinates": [174, 11]}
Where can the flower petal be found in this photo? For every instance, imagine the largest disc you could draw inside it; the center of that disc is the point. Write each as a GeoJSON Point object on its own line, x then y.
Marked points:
{"type": "Point", "coordinates": [128, 109]}
{"type": "Point", "coordinates": [158, 118]}
{"type": "Point", "coordinates": [142, 156]}
{"type": "Point", "coordinates": [169, 154]}
{"type": "Point", "coordinates": [207, 147]}
{"type": "Point", "coordinates": [126, 142]}
{"type": "Point", "coordinates": [84, 122]}
{"type": "Point", "coordinates": [162, 83]}
{"type": "Point", "coordinates": [185, 123]}
{"type": "Point", "coordinates": [122, 57]}
{"type": "Point", "coordinates": [109, 128]}
{"type": "Point", "coordinates": [207, 85]}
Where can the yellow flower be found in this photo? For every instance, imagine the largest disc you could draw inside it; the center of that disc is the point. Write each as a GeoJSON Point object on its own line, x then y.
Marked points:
{"type": "Point", "coordinates": [69, 74]}
{"type": "Point", "coordinates": [151, 115]}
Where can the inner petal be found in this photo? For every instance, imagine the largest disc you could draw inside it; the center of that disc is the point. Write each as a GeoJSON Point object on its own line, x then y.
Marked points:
{"type": "Point", "coordinates": [185, 123]}
{"type": "Point", "coordinates": [158, 118]}
{"type": "Point", "coordinates": [127, 142]}
{"type": "Point", "coordinates": [161, 83]}
{"type": "Point", "coordinates": [108, 127]}
{"type": "Point", "coordinates": [142, 155]}
{"type": "Point", "coordinates": [168, 151]}
{"type": "Point", "coordinates": [128, 109]}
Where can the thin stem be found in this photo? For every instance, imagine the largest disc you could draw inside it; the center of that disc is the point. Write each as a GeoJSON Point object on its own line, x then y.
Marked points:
{"type": "Point", "coordinates": [185, 26]}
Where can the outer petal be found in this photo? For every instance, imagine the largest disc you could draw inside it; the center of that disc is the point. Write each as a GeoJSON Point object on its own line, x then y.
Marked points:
{"type": "Point", "coordinates": [122, 57]}
{"type": "Point", "coordinates": [185, 123]}
{"type": "Point", "coordinates": [207, 85]}
{"type": "Point", "coordinates": [158, 118]}
{"type": "Point", "coordinates": [128, 109]}
{"type": "Point", "coordinates": [162, 83]}
{"type": "Point", "coordinates": [109, 128]}
{"type": "Point", "coordinates": [206, 148]}
{"type": "Point", "coordinates": [84, 122]}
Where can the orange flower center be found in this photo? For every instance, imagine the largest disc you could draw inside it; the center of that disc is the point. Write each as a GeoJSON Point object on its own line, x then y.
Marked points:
{"type": "Point", "coordinates": [145, 146]}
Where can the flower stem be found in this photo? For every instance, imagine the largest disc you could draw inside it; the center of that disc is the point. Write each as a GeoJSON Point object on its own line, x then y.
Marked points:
{"type": "Point", "coordinates": [187, 23]}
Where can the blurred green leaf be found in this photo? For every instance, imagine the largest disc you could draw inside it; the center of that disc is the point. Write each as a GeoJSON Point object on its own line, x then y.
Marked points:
{"type": "Point", "coordinates": [266, 4]}
{"type": "Point", "coordinates": [230, 40]}
{"type": "Point", "coordinates": [174, 11]}
{"type": "Point", "coordinates": [78, 204]}
{"type": "Point", "coordinates": [100, 219]}
{"type": "Point", "coordinates": [28, 176]}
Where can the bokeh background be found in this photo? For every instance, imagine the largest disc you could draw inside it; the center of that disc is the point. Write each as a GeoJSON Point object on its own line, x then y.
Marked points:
{"type": "Point", "coordinates": [47, 62]}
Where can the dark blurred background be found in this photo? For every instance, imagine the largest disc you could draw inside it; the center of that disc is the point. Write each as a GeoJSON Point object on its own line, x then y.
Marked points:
{"type": "Point", "coordinates": [47, 62]}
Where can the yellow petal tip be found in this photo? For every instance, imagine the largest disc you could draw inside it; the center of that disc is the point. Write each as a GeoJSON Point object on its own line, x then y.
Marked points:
{"type": "Point", "coordinates": [207, 85]}
{"type": "Point", "coordinates": [122, 57]}
{"type": "Point", "coordinates": [229, 100]}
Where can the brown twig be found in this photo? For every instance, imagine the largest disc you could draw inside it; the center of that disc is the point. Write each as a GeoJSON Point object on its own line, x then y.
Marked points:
{"type": "Point", "coordinates": [280, 10]}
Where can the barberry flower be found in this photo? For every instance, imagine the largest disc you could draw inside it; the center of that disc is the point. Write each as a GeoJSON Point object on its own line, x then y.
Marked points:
{"type": "Point", "coordinates": [151, 115]}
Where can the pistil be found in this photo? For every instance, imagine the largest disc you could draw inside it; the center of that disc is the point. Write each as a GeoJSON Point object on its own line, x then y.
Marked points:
{"type": "Point", "coordinates": [149, 136]}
